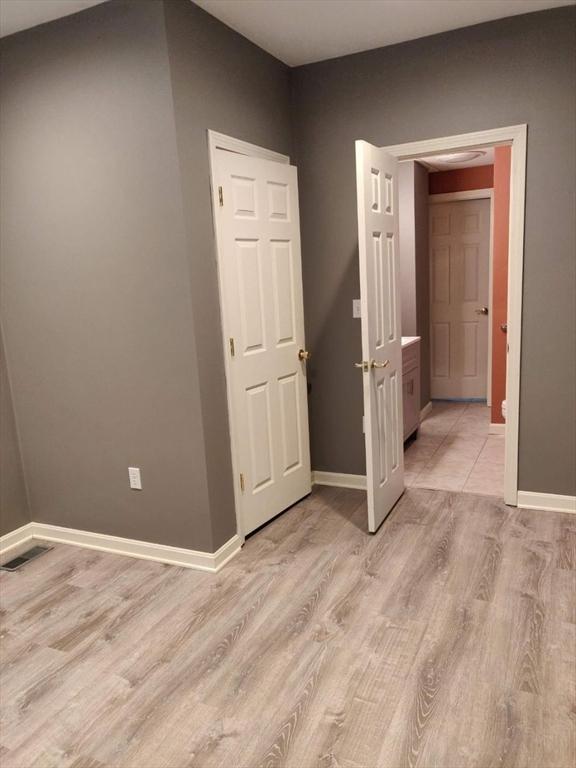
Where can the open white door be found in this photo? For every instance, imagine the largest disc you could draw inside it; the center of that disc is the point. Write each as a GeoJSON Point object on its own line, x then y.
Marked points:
{"type": "Point", "coordinates": [258, 231]}
{"type": "Point", "coordinates": [377, 190]}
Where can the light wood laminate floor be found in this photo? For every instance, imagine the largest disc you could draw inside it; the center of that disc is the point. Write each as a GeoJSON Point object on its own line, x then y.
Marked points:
{"type": "Point", "coordinates": [445, 640]}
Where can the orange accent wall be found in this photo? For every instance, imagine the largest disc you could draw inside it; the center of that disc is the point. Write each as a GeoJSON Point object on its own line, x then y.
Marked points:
{"type": "Point", "coordinates": [500, 278]}
{"type": "Point", "coordinates": [461, 179]}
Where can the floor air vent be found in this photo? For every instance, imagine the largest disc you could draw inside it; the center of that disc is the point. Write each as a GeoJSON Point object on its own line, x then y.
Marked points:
{"type": "Point", "coordinates": [25, 557]}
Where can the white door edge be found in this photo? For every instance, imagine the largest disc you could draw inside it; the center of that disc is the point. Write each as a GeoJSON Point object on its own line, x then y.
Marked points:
{"type": "Point", "coordinates": [515, 136]}
{"type": "Point", "coordinates": [218, 141]}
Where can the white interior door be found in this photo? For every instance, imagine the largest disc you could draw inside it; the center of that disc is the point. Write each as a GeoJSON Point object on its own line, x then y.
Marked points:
{"type": "Point", "coordinates": [258, 225]}
{"type": "Point", "coordinates": [381, 367]}
{"type": "Point", "coordinates": [459, 298]}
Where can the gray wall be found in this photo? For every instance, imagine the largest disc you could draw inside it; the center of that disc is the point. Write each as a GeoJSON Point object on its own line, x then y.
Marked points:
{"type": "Point", "coordinates": [222, 82]}
{"type": "Point", "coordinates": [414, 259]}
{"type": "Point", "coordinates": [518, 70]}
{"type": "Point", "coordinates": [421, 252]}
{"type": "Point", "coordinates": [13, 500]}
{"type": "Point", "coordinates": [109, 301]}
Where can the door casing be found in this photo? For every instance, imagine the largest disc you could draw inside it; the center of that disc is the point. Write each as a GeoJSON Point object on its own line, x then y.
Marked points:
{"type": "Point", "coordinates": [515, 136]}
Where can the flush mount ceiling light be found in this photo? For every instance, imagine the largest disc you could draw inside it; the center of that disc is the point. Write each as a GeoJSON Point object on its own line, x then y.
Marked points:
{"type": "Point", "coordinates": [459, 157]}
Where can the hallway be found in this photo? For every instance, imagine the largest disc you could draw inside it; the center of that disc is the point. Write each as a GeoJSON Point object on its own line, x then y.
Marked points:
{"type": "Point", "coordinates": [455, 452]}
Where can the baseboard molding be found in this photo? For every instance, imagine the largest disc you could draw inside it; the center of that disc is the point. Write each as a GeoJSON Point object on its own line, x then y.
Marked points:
{"type": "Point", "coordinates": [144, 550]}
{"type": "Point", "coordinates": [426, 410]}
{"type": "Point", "coordinates": [549, 502]}
{"type": "Point", "coordinates": [339, 480]}
{"type": "Point", "coordinates": [497, 429]}
{"type": "Point", "coordinates": [13, 540]}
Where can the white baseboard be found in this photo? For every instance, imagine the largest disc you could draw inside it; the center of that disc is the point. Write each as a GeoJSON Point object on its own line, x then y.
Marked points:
{"type": "Point", "coordinates": [497, 429]}
{"type": "Point", "coordinates": [13, 540]}
{"type": "Point", "coordinates": [160, 553]}
{"type": "Point", "coordinates": [339, 480]}
{"type": "Point", "coordinates": [426, 411]}
{"type": "Point", "coordinates": [550, 502]}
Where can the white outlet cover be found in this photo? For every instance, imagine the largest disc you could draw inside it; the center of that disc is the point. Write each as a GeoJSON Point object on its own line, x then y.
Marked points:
{"type": "Point", "coordinates": [356, 308]}
{"type": "Point", "coordinates": [135, 478]}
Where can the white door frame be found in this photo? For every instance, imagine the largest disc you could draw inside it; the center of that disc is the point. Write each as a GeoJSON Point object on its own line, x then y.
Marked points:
{"type": "Point", "coordinates": [478, 194]}
{"type": "Point", "coordinates": [219, 141]}
{"type": "Point", "coordinates": [515, 136]}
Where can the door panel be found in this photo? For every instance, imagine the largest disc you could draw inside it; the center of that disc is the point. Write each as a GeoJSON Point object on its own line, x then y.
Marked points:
{"type": "Point", "coordinates": [260, 267]}
{"type": "Point", "coordinates": [459, 268]}
{"type": "Point", "coordinates": [376, 176]}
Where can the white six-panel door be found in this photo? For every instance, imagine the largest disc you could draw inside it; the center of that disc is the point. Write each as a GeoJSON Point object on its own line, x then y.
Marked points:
{"type": "Point", "coordinates": [258, 225]}
{"type": "Point", "coordinates": [459, 291]}
{"type": "Point", "coordinates": [381, 367]}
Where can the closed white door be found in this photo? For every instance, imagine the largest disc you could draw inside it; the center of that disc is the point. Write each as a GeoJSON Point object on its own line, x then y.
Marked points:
{"type": "Point", "coordinates": [260, 266]}
{"type": "Point", "coordinates": [381, 367]}
{"type": "Point", "coordinates": [459, 290]}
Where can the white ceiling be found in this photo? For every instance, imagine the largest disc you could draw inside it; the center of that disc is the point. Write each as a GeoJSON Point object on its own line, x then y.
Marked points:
{"type": "Point", "coordinates": [22, 14]}
{"type": "Point", "coordinates": [302, 31]}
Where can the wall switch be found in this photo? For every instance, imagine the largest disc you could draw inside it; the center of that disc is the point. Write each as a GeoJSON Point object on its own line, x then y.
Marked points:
{"type": "Point", "coordinates": [135, 479]}
{"type": "Point", "coordinates": [356, 308]}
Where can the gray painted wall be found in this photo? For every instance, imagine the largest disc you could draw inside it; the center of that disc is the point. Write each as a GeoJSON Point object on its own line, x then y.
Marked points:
{"type": "Point", "coordinates": [109, 301]}
{"type": "Point", "coordinates": [414, 259]}
{"type": "Point", "coordinates": [422, 256]}
{"type": "Point", "coordinates": [518, 70]}
{"type": "Point", "coordinates": [13, 500]}
{"type": "Point", "coordinates": [222, 82]}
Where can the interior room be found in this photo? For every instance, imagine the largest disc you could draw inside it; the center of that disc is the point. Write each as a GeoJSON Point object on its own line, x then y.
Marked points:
{"type": "Point", "coordinates": [453, 228]}
{"type": "Point", "coordinates": [287, 383]}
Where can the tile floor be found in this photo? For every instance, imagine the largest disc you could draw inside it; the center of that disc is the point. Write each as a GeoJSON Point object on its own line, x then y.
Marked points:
{"type": "Point", "coordinates": [454, 452]}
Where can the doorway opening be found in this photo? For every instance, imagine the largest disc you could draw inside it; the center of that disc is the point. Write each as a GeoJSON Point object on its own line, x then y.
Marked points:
{"type": "Point", "coordinates": [454, 221]}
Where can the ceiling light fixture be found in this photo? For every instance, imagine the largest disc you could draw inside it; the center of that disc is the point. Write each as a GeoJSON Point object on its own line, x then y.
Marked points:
{"type": "Point", "coordinates": [458, 157]}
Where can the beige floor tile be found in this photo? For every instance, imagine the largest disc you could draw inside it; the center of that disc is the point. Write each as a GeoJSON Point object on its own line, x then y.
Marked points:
{"type": "Point", "coordinates": [454, 451]}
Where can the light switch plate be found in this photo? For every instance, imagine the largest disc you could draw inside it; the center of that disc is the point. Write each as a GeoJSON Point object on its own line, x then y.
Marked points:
{"type": "Point", "coordinates": [356, 308]}
{"type": "Point", "coordinates": [135, 479]}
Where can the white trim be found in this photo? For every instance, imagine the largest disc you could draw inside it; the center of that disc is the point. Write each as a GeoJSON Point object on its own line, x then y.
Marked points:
{"type": "Point", "coordinates": [516, 137]}
{"type": "Point", "coordinates": [549, 502]}
{"type": "Point", "coordinates": [339, 480]}
{"type": "Point", "coordinates": [14, 539]}
{"type": "Point", "coordinates": [426, 411]}
{"type": "Point", "coordinates": [144, 550]}
{"type": "Point", "coordinates": [467, 194]}
{"type": "Point", "coordinates": [497, 429]}
{"type": "Point", "coordinates": [216, 142]}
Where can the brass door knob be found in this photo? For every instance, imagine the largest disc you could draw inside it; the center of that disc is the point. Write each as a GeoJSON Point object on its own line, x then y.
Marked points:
{"type": "Point", "coordinates": [303, 354]}
{"type": "Point", "coordinates": [482, 311]}
{"type": "Point", "coordinates": [365, 365]}
{"type": "Point", "coordinates": [383, 364]}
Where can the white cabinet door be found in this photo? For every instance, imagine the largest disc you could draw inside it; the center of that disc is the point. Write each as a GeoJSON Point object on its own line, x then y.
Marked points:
{"type": "Point", "coordinates": [377, 190]}
{"type": "Point", "coordinates": [459, 323]}
{"type": "Point", "coordinates": [260, 267]}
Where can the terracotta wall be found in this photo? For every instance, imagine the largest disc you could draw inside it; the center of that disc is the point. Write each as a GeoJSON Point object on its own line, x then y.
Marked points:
{"type": "Point", "coordinates": [500, 278]}
{"type": "Point", "coordinates": [461, 179]}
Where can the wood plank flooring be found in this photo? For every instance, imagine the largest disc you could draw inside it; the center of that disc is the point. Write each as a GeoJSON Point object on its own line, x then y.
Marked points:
{"type": "Point", "coordinates": [446, 640]}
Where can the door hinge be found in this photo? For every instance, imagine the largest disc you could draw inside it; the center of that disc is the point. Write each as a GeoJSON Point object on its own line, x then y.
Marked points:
{"type": "Point", "coordinates": [232, 350]}
{"type": "Point", "coordinates": [241, 482]}
{"type": "Point", "coordinates": [220, 196]}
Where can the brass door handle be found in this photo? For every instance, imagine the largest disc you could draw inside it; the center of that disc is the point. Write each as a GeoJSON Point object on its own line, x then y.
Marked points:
{"type": "Point", "coordinates": [482, 311]}
{"type": "Point", "coordinates": [303, 354]}
{"type": "Point", "coordinates": [504, 327]}
{"type": "Point", "coordinates": [367, 365]}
